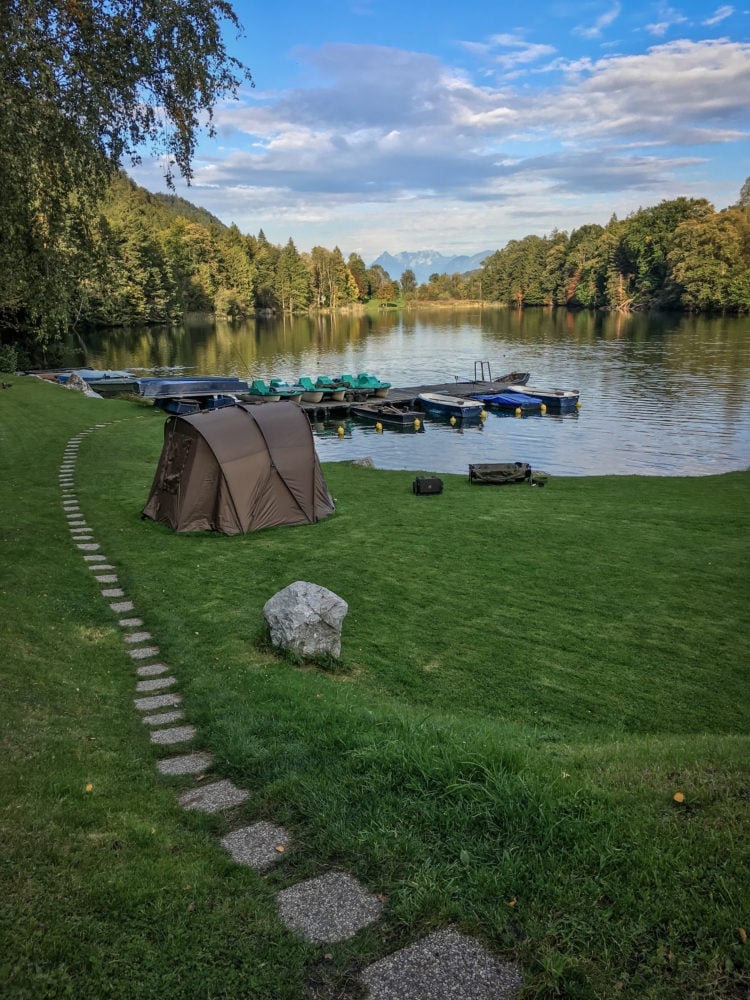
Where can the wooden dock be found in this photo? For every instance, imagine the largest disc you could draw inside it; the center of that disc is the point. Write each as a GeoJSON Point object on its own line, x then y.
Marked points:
{"type": "Point", "coordinates": [403, 396]}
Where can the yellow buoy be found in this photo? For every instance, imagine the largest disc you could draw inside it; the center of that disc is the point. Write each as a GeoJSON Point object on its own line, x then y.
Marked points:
{"type": "Point", "coordinates": [544, 407]}
{"type": "Point", "coordinates": [578, 404]}
{"type": "Point", "coordinates": [340, 431]}
{"type": "Point", "coordinates": [417, 423]}
{"type": "Point", "coordinates": [453, 421]}
{"type": "Point", "coordinates": [483, 415]}
{"type": "Point", "coordinates": [518, 411]}
{"type": "Point", "coordinates": [379, 427]}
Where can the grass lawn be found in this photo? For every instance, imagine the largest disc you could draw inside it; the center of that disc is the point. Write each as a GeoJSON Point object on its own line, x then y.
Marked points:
{"type": "Point", "coordinates": [528, 676]}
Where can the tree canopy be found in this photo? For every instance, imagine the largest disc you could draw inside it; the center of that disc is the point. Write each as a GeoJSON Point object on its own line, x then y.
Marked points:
{"type": "Point", "coordinates": [85, 85]}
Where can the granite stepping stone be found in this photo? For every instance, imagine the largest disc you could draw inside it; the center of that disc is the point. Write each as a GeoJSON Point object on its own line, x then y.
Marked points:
{"type": "Point", "coordinates": [129, 622]}
{"type": "Point", "coordinates": [156, 685]}
{"type": "Point", "coordinates": [214, 797]}
{"type": "Point", "coordinates": [444, 965]}
{"type": "Point", "coordinates": [257, 846]}
{"type": "Point", "coordinates": [89, 546]}
{"type": "Point", "coordinates": [119, 606]}
{"type": "Point", "coordinates": [152, 670]}
{"type": "Point", "coordinates": [143, 652]}
{"type": "Point", "coordinates": [188, 763]}
{"type": "Point", "coordinates": [162, 719]}
{"type": "Point", "coordinates": [107, 578]}
{"type": "Point", "coordinates": [100, 567]}
{"type": "Point", "coordinates": [333, 907]}
{"type": "Point", "coordinates": [157, 701]}
{"type": "Point", "coordinates": [113, 592]}
{"type": "Point", "coordinates": [137, 636]}
{"type": "Point", "coordinates": [176, 734]}
{"type": "Point", "coordinates": [92, 559]}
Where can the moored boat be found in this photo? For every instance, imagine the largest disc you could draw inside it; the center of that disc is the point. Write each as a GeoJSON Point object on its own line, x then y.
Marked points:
{"type": "Point", "coordinates": [388, 415]}
{"type": "Point", "coordinates": [509, 400]}
{"type": "Point", "coordinates": [514, 378]}
{"type": "Point", "coordinates": [106, 383]}
{"type": "Point", "coordinates": [553, 399]}
{"type": "Point", "coordinates": [173, 388]}
{"type": "Point", "coordinates": [439, 404]}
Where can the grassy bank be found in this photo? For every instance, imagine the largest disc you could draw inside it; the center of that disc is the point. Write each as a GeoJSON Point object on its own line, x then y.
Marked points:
{"type": "Point", "coordinates": [528, 677]}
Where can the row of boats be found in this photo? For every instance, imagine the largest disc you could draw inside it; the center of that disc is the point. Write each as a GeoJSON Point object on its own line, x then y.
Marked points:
{"type": "Point", "coordinates": [517, 397]}
{"type": "Point", "coordinates": [366, 394]}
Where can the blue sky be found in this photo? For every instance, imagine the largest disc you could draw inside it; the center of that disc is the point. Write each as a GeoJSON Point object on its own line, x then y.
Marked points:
{"type": "Point", "coordinates": [380, 125]}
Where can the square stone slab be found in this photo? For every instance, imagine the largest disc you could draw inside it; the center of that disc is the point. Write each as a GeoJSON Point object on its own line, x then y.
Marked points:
{"type": "Point", "coordinates": [214, 797]}
{"type": "Point", "coordinates": [444, 965]}
{"type": "Point", "coordinates": [188, 763]}
{"type": "Point", "coordinates": [157, 701]}
{"type": "Point", "coordinates": [328, 909]}
{"type": "Point", "coordinates": [119, 606]}
{"type": "Point", "coordinates": [256, 845]}
{"type": "Point", "coordinates": [162, 719]}
{"type": "Point", "coordinates": [176, 734]}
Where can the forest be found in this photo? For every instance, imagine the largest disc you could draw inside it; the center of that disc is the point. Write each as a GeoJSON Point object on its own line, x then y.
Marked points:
{"type": "Point", "coordinates": [161, 257]}
{"type": "Point", "coordinates": [153, 258]}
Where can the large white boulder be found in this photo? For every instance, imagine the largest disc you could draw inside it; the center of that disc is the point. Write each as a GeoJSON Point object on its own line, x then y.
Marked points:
{"type": "Point", "coordinates": [306, 619]}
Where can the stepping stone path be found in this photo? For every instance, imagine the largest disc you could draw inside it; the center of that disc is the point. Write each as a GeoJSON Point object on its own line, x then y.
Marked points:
{"type": "Point", "coordinates": [445, 965]}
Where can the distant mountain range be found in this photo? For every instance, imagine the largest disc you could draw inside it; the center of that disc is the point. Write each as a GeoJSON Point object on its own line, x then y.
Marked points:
{"type": "Point", "coordinates": [426, 262]}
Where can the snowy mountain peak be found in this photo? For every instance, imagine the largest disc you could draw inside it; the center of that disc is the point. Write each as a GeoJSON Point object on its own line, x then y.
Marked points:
{"type": "Point", "coordinates": [426, 262]}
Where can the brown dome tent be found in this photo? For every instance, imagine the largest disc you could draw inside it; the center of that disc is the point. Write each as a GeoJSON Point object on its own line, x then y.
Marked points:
{"type": "Point", "coordinates": [238, 469]}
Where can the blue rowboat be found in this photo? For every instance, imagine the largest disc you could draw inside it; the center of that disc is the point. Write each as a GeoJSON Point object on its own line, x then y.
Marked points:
{"type": "Point", "coordinates": [553, 399]}
{"type": "Point", "coordinates": [439, 404]}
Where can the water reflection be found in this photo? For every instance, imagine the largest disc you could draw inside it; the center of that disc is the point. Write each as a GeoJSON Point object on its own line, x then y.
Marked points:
{"type": "Point", "coordinates": [661, 394]}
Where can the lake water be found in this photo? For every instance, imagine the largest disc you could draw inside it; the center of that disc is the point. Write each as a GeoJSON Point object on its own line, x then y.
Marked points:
{"type": "Point", "coordinates": [660, 394]}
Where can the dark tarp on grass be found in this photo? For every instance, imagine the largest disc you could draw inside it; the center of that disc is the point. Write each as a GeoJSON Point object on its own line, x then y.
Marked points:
{"type": "Point", "coordinates": [238, 469]}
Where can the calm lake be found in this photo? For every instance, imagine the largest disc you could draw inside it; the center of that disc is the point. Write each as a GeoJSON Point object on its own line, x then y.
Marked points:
{"type": "Point", "coordinates": [660, 394]}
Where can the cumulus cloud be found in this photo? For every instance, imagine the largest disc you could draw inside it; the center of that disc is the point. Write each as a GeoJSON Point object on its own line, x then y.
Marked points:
{"type": "Point", "coordinates": [384, 132]}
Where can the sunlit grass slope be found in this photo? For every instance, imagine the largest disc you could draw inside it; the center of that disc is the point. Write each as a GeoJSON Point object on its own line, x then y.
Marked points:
{"type": "Point", "coordinates": [528, 677]}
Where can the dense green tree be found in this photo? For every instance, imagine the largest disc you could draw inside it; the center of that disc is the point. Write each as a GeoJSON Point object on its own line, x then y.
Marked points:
{"type": "Point", "coordinates": [359, 272]}
{"type": "Point", "coordinates": [710, 260]}
{"type": "Point", "coordinates": [292, 280]}
{"type": "Point", "coordinates": [408, 283]}
{"type": "Point", "coordinates": [647, 240]}
{"type": "Point", "coordinates": [84, 84]}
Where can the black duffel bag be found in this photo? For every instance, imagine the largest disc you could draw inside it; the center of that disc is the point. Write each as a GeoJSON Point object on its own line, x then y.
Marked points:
{"type": "Point", "coordinates": [425, 486]}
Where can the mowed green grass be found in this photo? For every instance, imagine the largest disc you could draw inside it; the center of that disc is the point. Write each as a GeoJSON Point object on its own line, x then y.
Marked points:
{"type": "Point", "coordinates": [527, 678]}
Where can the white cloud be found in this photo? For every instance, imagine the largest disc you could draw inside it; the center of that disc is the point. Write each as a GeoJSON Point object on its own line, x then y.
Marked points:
{"type": "Point", "coordinates": [603, 21]}
{"type": "Point", "coordinates": [719, 15]}
{"type": "Point", "coordinates": [669, 17]}
{"type": "Point", "coordinates": [387, 140]}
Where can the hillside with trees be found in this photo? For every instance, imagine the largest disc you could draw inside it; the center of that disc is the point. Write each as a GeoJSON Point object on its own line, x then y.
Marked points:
{"type": "Point", "coordinates": [153, 258]}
